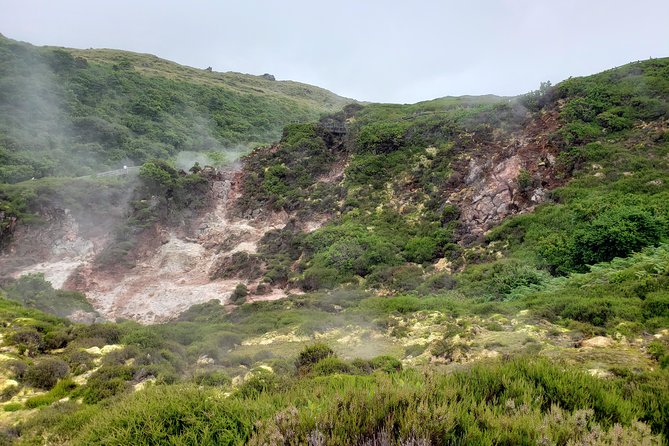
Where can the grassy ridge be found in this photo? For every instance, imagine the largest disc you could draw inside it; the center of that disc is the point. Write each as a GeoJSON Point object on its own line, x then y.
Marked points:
{"type": "Point", "coordinates": [73, 112]}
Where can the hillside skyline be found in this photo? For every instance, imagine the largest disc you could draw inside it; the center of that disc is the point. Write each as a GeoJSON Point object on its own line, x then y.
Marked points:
{"type": "Point", "coordinates": [380, 52]}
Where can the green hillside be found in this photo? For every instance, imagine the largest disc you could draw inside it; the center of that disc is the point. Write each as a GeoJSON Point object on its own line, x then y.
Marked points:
{"type": "Point", "coordinates": [396, 209]}
{"type": "Point", "coordinates": [485, 270]}
{"type": "Point", "coordinates": [66, 112]}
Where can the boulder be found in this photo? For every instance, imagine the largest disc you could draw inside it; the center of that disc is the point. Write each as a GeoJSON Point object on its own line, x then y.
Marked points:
{"type": "Point", "coordinates": [597, 342]}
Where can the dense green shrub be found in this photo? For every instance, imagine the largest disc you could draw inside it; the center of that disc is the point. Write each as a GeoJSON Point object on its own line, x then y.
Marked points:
{"type": "Point", "coordinates": [441, 281]}
{"type": "Point", "coordinates": [28, 340]}
{"type": "Point", "coordinates": [421, 249]}
{"type": "Point", "coordinates": [239, 294]}
{"type": "Point", "coordinates": [616, 234]}
{"type": "Point", "coordinates": [387, 364]}
{"type": "Point", "coordinates": [329, 366]}
{"type": "Point", "coordinates": [110, 333]}
{"type": "Point", "coordinates": [311, 355]}
{"type": "Point", "coordinates": [502, 279]}
{"type": "Point", "coordinates": [106, 382]}
{"type": "Point", "coordinates": [240, 265]}
{"type": "Point", "coordinates": [315, 278]}
{"type": "Point", "coordinates": [397, 278]}
{"type": "Point", "coordinates": [183, 415]}
{"type": "Point", "coordinates": [525, 182]}
{"type": "Point", "coordinates": [45, 373]}
{"type": "Point", "coordinates": [78, 360]}
{"type": "Point", "coordinates": [58, 338]}
{"type": "Point", "coordinates": [656, 305]}
{"type": "Point", "coordinates": [381, 137]}
{"type": "Point", "coordinates": [143, 338]}
{"type": "Point", "coordinates": [211, 378]}
{"type": "Point", "coordinates": [260, 381]}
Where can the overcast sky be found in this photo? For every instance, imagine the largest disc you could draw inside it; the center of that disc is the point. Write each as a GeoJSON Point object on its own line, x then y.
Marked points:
{"type": "Point", "coordinates": [385, 50]}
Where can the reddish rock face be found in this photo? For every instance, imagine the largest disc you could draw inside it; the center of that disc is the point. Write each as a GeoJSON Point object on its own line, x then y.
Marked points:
{"type": "Point", "coordinates": [490, 190]}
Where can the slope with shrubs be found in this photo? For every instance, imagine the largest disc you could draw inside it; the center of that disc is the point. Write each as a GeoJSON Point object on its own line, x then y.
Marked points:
{"type": "Point", "coordinates": [395, 208]}
{"type": "Point", "coordinates": [519, 402]}
{"type": "Point", "coordinates": [66, 112]}
{"type": "Point", "coordinates": [551, 328]}
{"type": "Point", "coordinates": [249, 353]}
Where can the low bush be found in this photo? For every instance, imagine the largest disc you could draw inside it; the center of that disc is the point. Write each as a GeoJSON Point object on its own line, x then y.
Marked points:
{"type": "Point", "coordinates": [329, 366]}
{"type": "Point", "coordinates": [106, 382]}
{"type": "Point", "coordinates": [12, 407]}
{"type": "Point", "coordinates": [45, 373]}
{"type": "Point", "coordinates": [78, 360]}
{"type": "Point", "coordinates": [387, 364]}
{"type": "Point", "coordinates": [311, 355]}
{"type": "Point", "coordinates": [110, 333]}
{"type": "Point", "coordinates": [239, 294]}
{"type": "Point", "coordinates": [28, 340]}
{"type": "Point", "coordinates": [211, 378]}
{"type": "Point", "coordinates": [261, 381]}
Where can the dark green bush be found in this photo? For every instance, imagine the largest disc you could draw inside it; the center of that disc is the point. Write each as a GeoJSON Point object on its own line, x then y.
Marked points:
{"type": "Point", "coordinates": [143, 337]}
{"type": "Point", "coordinates": [437, 282]}
{"type": "Point", "coordinates": [28, 340]}
{"type": "Point", "coordinates": [261, 381]}
{"type": "Point", "coordinates": [421, 249]}
{"type": "Point", "coordinates": [110, 333]}
{"type": "Point", "coordinates": [311, 355]}
{"type": "Point", "coordinates": [239, 294]}
{"type": "Point", "coordinates": [78, 360]}
{"type": "Point", "coordinates": [656, 305]}
{"type": "Point", "coordinates": [107, 381]}
{"type": "Point", "coordinates": [211, 378]}
{"type": "Point", "coordinates": [381, 137]}
{"type": "Point", "coordinates": [45, 373]}
{"type": "Point", "coordinates": [315, 278]}
{"type": "Point", "coordinates": [387, 364]}
{"type": "Point", "coordinates": [329, 366]}
{"type": "Point", "coordinates": [58, 338]}
{"type": "Point", "coordinates": [239, 265]}
{"type": "Point", "coordinates": [617, 233]}
{"type": "Point", "coordinates": [658, 350]}
{"type": "Point", "coordinates": [525, 182]}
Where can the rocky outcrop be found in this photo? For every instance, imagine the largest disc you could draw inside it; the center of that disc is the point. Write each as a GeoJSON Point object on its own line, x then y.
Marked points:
{"type": "Point", "coordinates": [597, 342]}
{"type": "Point", "coordinates": [175, 265]}
{"type": "Point", "coordinates": [491, 178]}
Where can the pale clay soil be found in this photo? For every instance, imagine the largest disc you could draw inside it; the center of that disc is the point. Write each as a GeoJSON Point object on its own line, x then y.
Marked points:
{"type": "Point", "coordinates": [172, 277]}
